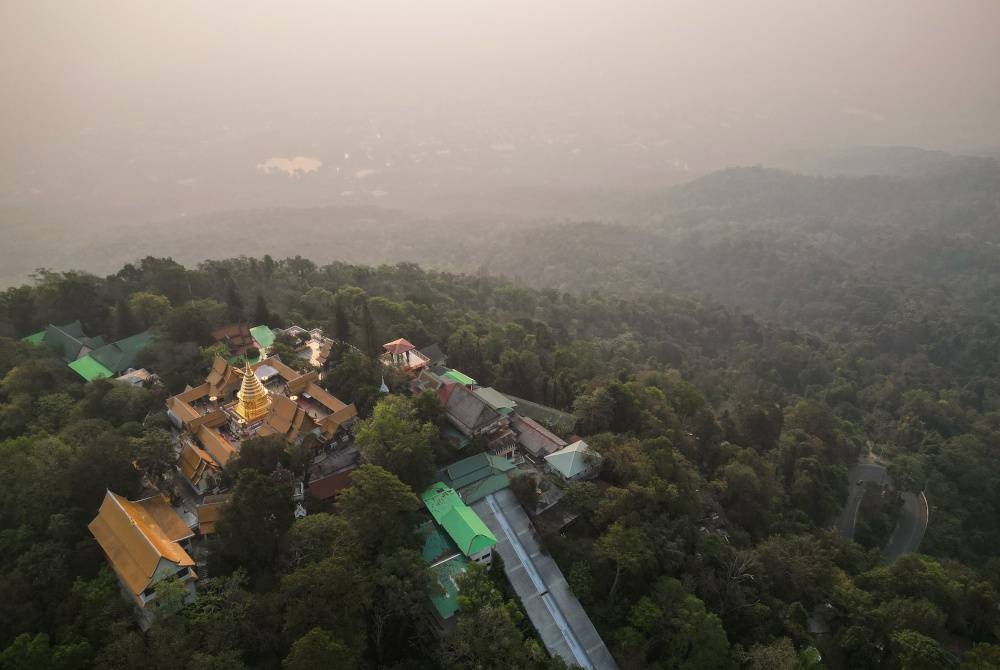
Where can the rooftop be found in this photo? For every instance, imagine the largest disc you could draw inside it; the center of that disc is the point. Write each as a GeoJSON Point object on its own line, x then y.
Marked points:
{"type": "Point", "coordinates": [446, 565]}
{"type": "Point", "coordinates": [550, 417]}
{"type": "Point", "coordinates": [399, 346]}
{"type": "Point", "coordinates": [469, 413]}
{"type": "Point", "coordinates": [329, 486]}
{"type": "Point", "coordinates": [475, 468]}
{"type": "Point", "coordinates": [572, 460]}
{"type": "Point", "coordinates": [495, 399]}
{"type": "Point", "coordinates": [463, 526]}
{"type": "Point", "coordinates": [88, 368]}
{"type": "Point", "coordinates": [136, 536]}
{"type": "Point", "coordinates": [459, 377]}
{"type": "Point", "coordinates": [263, 335]}
{"type": "Point", "coordinates": [109, 360]}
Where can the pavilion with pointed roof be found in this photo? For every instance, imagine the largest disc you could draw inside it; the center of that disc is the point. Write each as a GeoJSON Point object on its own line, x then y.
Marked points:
{"type": "Point", "coordinates": [404, 355]}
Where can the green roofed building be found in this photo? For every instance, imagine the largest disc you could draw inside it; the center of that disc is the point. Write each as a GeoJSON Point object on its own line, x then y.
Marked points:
{"type": "Point", "coordinates": [68, 340]}
{"type": "Point", "coordinates": [264, 337]}
{"type": "Point", "coordinates": [477, 476]}
{"type": "Point", "coordinates": [90, 369]}
{"type": "Point", "coordinates": [447, 564]}
{"type": "Point", "coordinates": [462, 525]}
{"type": "Point", "coordinates": [495, 399]}
{"type": "Point", "coordinates": [34, 338]}
{"type": "Point", "coordinates": [459, 377]}
{"type": "Point", "coordinates": [112, 359]}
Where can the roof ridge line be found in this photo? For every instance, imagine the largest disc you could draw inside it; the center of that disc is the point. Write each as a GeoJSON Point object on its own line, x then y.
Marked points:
{"type": "Point", "coordinates": [135, 525]}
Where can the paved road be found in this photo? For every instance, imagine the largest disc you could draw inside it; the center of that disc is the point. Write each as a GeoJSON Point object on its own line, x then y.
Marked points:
{"type": "Point", "coordinates": [910, 529]}
{"type": "Point", "coordinates": [864, 472]}
{"type": "Point", "coordinates": [913, 516]}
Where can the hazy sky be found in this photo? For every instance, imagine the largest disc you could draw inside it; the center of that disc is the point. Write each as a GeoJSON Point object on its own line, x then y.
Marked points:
{"type": "Point", "coordinates": [169, 102]}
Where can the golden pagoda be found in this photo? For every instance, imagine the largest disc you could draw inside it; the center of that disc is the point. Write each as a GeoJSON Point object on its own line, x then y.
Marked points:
{"type": "Point", "coordinates": [254, 403]}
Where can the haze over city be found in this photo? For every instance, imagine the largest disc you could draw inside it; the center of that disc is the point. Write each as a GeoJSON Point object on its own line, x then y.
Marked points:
{"type": "Point", "coordinates": [174, 107]}
{"type": "Point", "coordinates": [482, 335]}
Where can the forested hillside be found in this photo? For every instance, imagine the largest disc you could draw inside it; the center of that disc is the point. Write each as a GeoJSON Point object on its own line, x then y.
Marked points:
{"type": "Point", "coordinates": [706, 415]}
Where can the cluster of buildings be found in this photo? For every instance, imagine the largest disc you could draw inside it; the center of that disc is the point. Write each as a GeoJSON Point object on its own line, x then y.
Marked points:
{"type": "Point", "coordinates": [252, 393]}
{"type": "Point", "coordinates": [236, 403]}
{"type": "Point", "coordinates": [455, 535]}
{"type": "Point", "coordinates": [91, 357]}
{"type": "Point", "coordinates": [246, 394]}
{"type": "Point", "coordinates": [478, 412]}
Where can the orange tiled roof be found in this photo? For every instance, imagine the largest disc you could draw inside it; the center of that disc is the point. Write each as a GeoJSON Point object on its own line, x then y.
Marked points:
{"type": "Point", "coordinates": [209, 512]}
{"type": "Point", "coordinates": [194, 462]}
{"type": "Point", "coordinates": [216, 445]}
{"type": "Point", "coordinates": [331, 424]}
{"type": "Point", "coordinates": [323, 397]}
{"type": "Point", "coordinates": [136, 536]}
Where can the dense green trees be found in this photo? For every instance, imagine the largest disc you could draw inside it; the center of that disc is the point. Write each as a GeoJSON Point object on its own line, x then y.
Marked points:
{"type": "Point", "coordinates": [394, 438]}
{"type": "Point", "coordinates": [725, 442]}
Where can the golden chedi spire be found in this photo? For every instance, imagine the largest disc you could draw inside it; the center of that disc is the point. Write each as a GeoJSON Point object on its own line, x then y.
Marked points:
{"type": "Point", "coordinates": [254, 403]}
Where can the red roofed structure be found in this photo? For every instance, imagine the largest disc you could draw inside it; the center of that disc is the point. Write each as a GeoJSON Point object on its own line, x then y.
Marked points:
{"type": "Point", "coordinates": [403, 354]}
{"type": "Point", "coordinates": [329, 486]}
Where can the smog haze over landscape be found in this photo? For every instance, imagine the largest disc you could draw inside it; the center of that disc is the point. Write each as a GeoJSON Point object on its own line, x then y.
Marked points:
{"type": "Point", "coordinates": [148, 114]}
{"type": "Point", "coordinates": [482, 335]}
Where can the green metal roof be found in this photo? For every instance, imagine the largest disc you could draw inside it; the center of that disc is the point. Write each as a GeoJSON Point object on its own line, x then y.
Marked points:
{"type": "Point", "coordinates": [463, 525]}
{"type": "Point", "coordinates": [446, 574]}
{"type": "Point", "coordinates": [437, 544]}
{"type": "Point", "coordinates": [474, 468]}
{"type": "Point", "coordinates": [460, 377]}
{"type": "Point", "coordinates": [555, 420]}
{"type": "Point", "coordinates": [34, 338]}
{"type": "Point", "coordinates": [446, 564]}
{"type": "Point", "coordinates": [90, 369]}
{"type": "Point", "coordinates": [495, 399]}
{"type": "Point", "coordinates": [263, 335]}
{"type": "Point", "coordinates": [119, 356]}
{"type": "Point", "coordinates": [68, 339]}
{"type": "Point", "coordinates": [451, 434]}
{"type": "Point", "coordinates": [476, 492]}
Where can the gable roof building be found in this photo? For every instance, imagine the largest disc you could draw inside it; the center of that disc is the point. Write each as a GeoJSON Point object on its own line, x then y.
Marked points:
{"type": "Point", "coordinates": [463, 525]}
{"type": "Point", "coordinates": [447, 564]}
{"type": "Point", "coordinates": [209, 512]}
{"type": "Point", "coordinates": [479, 475]}
{"type": "Point", "coordinates": [535, 438]}
{"type": "Point", "coordinates": [576, 461]}
{"type": "Point", "coordinates": [469, 413]}
{"type": "Point", "coordinates": [142, 541]}
{"type": "Point", "coordinates": [434, 355]}
{"type": "Point", "coordinates": [110, 360]}
{"type": "Point", "coordinates": [495, 399]}
{"type": "Point", "coordinates": [69, 340]}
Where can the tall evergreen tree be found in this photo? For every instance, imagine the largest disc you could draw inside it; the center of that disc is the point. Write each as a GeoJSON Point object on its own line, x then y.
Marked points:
{"type": "Point", "coordinates": [341, 323]}
{"type": "Point", "coordinates": [234, 303]}
{"type": "Point", "coordinates": [368, 329]}
{"type": "Point", "coordinates": [261, 315]}
{"type": "Point", "coordinates": [125, 323]}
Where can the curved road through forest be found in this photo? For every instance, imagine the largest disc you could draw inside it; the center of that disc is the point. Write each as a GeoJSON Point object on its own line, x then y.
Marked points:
{"type": "Point", "coordinates": [912, 523]}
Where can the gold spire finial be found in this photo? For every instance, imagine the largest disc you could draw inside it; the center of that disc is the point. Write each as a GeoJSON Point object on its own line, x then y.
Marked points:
{"type": "Point", "coordinates": [254, 402]}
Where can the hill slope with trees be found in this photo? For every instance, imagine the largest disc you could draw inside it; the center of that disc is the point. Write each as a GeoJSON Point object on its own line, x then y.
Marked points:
{"type": "Point", "coordinates": [707, 417]}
